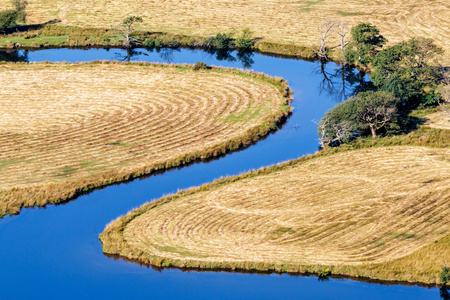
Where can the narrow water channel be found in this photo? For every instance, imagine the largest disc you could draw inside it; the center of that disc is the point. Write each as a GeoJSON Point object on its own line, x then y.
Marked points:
{"type": "Point", "coordinates": [54, 252]}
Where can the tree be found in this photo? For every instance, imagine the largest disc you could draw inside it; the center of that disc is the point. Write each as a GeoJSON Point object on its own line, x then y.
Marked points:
{"type": "Point", "coordinates": [19, 7]}
{"type": "Point", "coordinates": [375, 110]}
{"type": "Point", "coordinates": [338, 125]}
{"type": "Point", "coordinates": [127, 28]}
{"type": "Point", "coordinates": [342, 30]}
{"type": "Point", "coordinates": [405, 69]}
{"type": "Point", "coordinates": [326, 30]}
{"type": "Point", "coordinates": [10, 17]}
{"type": "Point", "coordinates": [7, 19]}
{"type": "Point", "coordinates": [366, 111]}
{"type": "Point", "coordinates": [366, 40]}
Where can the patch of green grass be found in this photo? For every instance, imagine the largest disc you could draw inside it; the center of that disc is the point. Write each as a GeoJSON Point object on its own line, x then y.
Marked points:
{"type": "Point", "coordinates": [7, 162]}
{"type": "Point", "coordinates": [40, 40]}
{"type": "Point", "coordinates": [248, 114]}
{"type": "Point", "coordinates": [347, 14]}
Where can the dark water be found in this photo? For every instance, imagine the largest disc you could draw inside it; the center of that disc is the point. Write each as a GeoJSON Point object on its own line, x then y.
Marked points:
{"type": "Point", "coordinates": [54, 252]}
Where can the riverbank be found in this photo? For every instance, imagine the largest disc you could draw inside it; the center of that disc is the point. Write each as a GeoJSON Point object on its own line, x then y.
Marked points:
{"type": "Point", "coordinates": [58, 36]}
{"type": "Point", "coordinates": [76, 127]}
{"type": "Point", "coordinates": [387, 219]}
{"type": "Point", "coordinates": [286, 22]}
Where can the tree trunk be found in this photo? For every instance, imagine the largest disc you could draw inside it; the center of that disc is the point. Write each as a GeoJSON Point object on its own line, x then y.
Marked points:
{"type": "Point", "coordinates": [373, 130]}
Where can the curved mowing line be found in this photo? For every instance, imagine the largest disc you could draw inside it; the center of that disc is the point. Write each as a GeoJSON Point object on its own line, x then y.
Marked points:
{"type": "Point", "coordinates": [75, 127]}
{"type": "Point", "coordinates": [363, 213]}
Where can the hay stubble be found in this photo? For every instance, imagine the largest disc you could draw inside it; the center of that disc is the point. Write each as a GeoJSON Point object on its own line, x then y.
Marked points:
{"type": "Point", "coordinates": [351, 209]}
{"type": "Point", "coordinates": [72, 123]}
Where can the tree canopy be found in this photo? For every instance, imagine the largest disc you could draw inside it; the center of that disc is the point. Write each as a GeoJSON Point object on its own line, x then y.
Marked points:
{"type": "Point", "coordinates": [10, 17]}
{"type": "Point", "coordinates": [367, 111]}
{"type": "Point", "coordinates": [366, 40]}
{"type": "Point", "coordinates": [406, 69]}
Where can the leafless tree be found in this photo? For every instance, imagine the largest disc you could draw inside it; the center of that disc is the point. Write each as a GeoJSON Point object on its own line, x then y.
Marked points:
{"type": "Point", "coordinates": [342, 30]}
{"type": "Point", "coordinates": [326, 29]}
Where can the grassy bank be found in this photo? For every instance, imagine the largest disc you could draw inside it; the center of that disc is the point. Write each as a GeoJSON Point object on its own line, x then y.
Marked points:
{"type": "Point", "coordinates": [56, 35]}
{"type": "Point", "coordinates": [373, 209]}
{"type": "Point", "coordinates": [285, 22]}
{"type": "Point", "coordinates": [74, 127]}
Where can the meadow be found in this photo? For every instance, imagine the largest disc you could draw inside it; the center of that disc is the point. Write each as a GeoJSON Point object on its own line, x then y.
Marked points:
{"type": "Point", "coordinates": [288, 22]}
{"type": "Point", "coordinates": [68, 128]}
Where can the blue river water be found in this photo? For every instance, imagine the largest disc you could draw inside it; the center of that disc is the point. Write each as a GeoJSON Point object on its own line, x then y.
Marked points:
{"type": "Point", "coordinates": [54, 252]}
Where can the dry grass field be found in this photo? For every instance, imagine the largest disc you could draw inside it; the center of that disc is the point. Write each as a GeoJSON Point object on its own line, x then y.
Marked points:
{"type": "Point", "coordinates": [283, 21]}
{"type": "Point", "coordinates": [382, 213]}
{"type": "Point", "coordinates": [65, 128]}
{"type": "Point", "coordinates": [439, 120]}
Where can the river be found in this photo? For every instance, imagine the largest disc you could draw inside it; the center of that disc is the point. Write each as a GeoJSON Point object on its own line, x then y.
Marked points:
{"type": "Point", "coordinates": [54, 252]}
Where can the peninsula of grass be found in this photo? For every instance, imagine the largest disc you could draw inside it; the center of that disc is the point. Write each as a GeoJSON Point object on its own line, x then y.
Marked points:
{"type": "Point", "coordinates": [285, 27]}
{"type": "Point", "coordinates": [68, 128]}
{"type": "Point", "coordinates": [376, 209]}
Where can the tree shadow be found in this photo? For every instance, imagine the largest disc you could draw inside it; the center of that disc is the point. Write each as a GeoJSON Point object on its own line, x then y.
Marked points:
{"type": "Point", "coordinates": [13, 56]}
{"type": "Point", "coordinates": [129, 55]}
{"type": "Point", "coordinates": [22, 28]}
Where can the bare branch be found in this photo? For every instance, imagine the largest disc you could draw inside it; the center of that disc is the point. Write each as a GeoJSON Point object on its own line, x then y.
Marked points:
{"type": "Point", "coordinates": [342, 30]}
{"type": "Point", "coordinates": [326, 30]}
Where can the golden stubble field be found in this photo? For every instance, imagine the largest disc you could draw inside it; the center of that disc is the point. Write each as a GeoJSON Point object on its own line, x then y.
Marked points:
{"type": "Point", "coordinates": [367, 213]}
{"type": "Point", "coordinates": [282, 21]}
{"type": "Point", "coordinates": [69, 126]}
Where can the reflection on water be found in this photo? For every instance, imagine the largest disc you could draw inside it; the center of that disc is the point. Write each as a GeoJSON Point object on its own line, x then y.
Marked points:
{"type": "Point", "coordinates": [342, 82]}
{"type": "Point", "coordinates": [444, 292]}
{"type": "Point", "coordinates": [13, 56]}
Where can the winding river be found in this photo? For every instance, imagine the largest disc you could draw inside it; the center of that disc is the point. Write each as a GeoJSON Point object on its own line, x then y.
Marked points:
{"type": "Point", "coordinates": [54, 252]}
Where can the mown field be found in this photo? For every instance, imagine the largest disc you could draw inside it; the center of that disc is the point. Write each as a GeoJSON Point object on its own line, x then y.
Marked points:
{"type": "Point", "coordinates": [283, 22]}
{"type": "Point", "coordinates": [382, 213]}
{"type": "Point", "coordinates": [67, 128]}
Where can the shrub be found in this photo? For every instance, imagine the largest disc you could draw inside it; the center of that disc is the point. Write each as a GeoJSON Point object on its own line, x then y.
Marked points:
{"type": "Point", "coordinates": [245, 40]}
{"type": "Point", "coordinates": [445, 275]}
{"type": "Point", "coordinates": [324, 273]}
{"type": "Point", "coordinates": [200, 66]}
{"type": "Point", "coordinates": [223, 41]}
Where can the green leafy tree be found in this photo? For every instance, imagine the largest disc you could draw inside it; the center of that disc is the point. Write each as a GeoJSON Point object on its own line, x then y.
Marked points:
{"type": "Point", "coordinates": [338, 124]}
{"type": "Point", "coordinates": [10, 17]}
{"type": "Point", "coordinates": [7, 19]}
{"type": "Point", "coordinates": [367, 111]}
{"type": "Point", "coordinates": [375, 110]}
{"type": "Point", "coordinates": [407, 68]}
{"type": "Point", "coordinates": [19, 7]}
{"type": "Point", "coordinates": [366, 40]}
